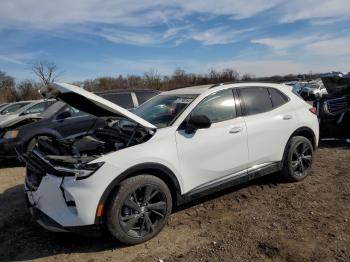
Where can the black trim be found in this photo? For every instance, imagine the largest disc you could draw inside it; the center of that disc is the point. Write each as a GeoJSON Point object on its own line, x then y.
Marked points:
{"type": "Point", "coordinates": [245, 177]}
{"type": "Point", "coordinates": [89, 230]}
{"type": "Point", "coordinates": [182, 199]}
{"type": "Point", "coordinates": [237, 102]}
{"type": "Point", "coordinates": [151, 168]}
{"type": "Point", "coordinates": [308, 130]}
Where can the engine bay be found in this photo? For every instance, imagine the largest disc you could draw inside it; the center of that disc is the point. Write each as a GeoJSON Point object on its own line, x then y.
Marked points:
{"type": "Point", "coordinates": [115, 135]}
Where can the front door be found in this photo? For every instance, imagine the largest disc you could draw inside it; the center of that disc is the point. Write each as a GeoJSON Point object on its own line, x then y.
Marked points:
{"type": "Point", "coordinates": [218, 151]}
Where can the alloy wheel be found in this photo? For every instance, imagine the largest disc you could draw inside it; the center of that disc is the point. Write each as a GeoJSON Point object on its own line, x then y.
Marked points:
{"type": "Point", "coordinates": [301, 159]}
{"type": "Point", "coordinates": [143, 211]}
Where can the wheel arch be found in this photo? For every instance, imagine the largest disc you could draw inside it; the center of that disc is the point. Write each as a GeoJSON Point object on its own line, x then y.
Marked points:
{"type": "Point", "coordinates": [301, 131]}
{"type": "Point", "coordinates": [305, 132]}
{"type": "Point", "coordinates": [50, 133]}
{"type": "Point", "coordinates": [155, 169]}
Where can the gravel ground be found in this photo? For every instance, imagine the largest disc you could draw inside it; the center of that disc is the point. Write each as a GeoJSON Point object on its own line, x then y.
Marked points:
{"type": "Point", "coordinates": [265, 220]}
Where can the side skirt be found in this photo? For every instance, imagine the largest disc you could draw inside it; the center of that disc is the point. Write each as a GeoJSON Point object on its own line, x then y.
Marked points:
{"type": "Point", "coordinates": [252, 173]}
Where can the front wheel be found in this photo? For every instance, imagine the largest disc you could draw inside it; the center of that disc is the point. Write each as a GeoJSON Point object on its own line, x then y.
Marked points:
{"type": "Point", "coordinates": [298, 160]}
{"type": "Point", "coordinates": [139, 209]}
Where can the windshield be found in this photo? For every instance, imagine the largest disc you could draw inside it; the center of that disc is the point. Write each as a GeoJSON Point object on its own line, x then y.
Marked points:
{"type": "Point", "coordinates": [14, 107]}
{"type": "Point", "coordinates": [161, 110]}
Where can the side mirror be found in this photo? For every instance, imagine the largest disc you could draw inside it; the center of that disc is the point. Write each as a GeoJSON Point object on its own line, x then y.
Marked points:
{"type": "Point", "coordinates": [63, 115]}
{"type": "Point", "coordinates": [197, 122]}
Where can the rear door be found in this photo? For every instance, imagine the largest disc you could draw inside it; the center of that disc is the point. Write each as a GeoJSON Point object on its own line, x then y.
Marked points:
{"type": "Point", "coordinates": [270, 121]}
{"type": "Point", "coordinates": [214, 153]}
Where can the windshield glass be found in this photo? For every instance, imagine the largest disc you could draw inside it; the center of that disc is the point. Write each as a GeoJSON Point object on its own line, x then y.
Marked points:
{"type": "Point", "coordinates": [161, 110]}
{"type": "Point", "coordinates": [13, 107]}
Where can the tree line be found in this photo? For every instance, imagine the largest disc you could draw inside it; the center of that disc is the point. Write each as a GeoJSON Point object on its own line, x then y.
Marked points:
{"type": "Point", "coordinates": [46, 72]}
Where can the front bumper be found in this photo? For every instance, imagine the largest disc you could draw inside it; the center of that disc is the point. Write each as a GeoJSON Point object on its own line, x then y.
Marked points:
{"type": "Point", "coordinates": [49, 224]}
{"type": "Point", "coordinates": [8, 148]}
{"type": "Point", "coordinates": [67, 202]}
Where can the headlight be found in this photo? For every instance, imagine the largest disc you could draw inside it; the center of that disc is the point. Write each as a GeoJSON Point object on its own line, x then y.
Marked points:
{"type": "Point", "coordinates": [11, 134]}
{"type": "Point", "coordinates": [81, 172]}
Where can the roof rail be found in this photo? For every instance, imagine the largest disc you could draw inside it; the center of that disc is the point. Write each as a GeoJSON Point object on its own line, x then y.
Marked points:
{"type": "Point", "coordinates": [247, 81]}
{"type": "Point", "coordinates": [220, 84]}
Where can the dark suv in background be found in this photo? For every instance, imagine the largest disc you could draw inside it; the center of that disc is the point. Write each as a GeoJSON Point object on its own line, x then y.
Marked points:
{"type": "Point", "coordinates": [61, 121]}
{"type": "Point", "coordinates": [128, 98]}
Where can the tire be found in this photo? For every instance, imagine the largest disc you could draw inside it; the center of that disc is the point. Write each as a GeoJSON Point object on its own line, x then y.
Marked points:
{"type": "Point", "coordinates": [298, 159]}
{"type": "Point", "coordinates": [31, 144]}
{"type": "Point", "coordinates": [133, 222]}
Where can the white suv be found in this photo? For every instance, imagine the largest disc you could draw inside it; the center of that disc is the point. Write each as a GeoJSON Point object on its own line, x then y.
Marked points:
{"type": "Point", "coordinates": [177, 146]}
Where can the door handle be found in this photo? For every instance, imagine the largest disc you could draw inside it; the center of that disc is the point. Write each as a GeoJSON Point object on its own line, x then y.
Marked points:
{"type": "Point", "coordinates": [236, 129]}
{"type": "Point", "coordinates": [287, 117]}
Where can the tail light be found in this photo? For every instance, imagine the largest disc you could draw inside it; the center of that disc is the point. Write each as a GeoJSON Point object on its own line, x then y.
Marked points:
{"type": "Point", "coordinates": [313, 110]}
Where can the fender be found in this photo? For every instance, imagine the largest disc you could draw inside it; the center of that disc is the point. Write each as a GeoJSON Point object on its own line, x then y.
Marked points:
{"type": "Point", "coordinates": [41, 132]}
{"type": "Point", "coordinates": [155, 169]}
{"type": "Point", "coordinates": [308, 133]}
{"type": "Point", "coordinates": [302, 131]}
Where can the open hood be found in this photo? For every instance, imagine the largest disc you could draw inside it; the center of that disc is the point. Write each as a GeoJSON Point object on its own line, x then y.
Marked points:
{"type": "Point", "coordinates": [90, 103]}
{"type": "Point", "coordinates": [337, 83]}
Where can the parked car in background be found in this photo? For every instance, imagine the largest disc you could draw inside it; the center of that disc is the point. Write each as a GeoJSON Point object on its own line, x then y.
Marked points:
{"type": "Point", "coordinates": [59, 121]}
{"type": "Point", "coordinates": [128, 98]}
{"type": "Point", "coordinates": [12, 107]}
{"type": "Point", "coordinates": [24, 110]}
{"type": "Point", "coordinates": [179, 145]}
{"type": "Point", "coordinates": [334, 109]}
{"type": "Point", "coordinates": [312, 90]}
{"type": "Point", "coordinates": [2, 106]}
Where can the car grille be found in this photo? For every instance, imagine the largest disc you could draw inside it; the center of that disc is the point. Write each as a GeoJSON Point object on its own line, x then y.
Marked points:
{"type": "Point", "coordinates": [36, 170]}
{"type": "Point", "coordinates": [337, 106]}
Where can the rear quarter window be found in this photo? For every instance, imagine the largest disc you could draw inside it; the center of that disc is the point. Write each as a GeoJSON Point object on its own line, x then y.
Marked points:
{"type": "Point", "coordinates": [277, 97]}
{"type": "Point", "coordinates": [256, 100]}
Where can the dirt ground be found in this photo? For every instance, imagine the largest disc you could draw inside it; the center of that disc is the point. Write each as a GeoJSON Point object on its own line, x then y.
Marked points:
{"type": "Point", "coordinates": [265, 220]}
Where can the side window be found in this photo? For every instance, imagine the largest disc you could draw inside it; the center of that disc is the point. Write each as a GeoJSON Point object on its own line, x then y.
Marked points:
{"type": "Point", "coordinates": [256, 100]}
{"type": "Point", "coordinates": [219, 106]}
{"type": "Point", "coordinates": [76, 112]}
{"type": "Point", "coordinates": [277, 97]}
{"type": "Point", "coordinates": [121, 99]}
{"type": "Point", "coordinates": [38, 108]}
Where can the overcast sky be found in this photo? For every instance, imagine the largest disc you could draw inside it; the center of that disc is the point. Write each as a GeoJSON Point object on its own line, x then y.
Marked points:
{"type": "Point", "coordinates": [92, 38]}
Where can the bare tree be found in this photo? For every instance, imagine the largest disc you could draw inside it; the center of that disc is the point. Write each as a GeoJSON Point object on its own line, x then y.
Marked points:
{"type": "Point", "coordinates": [247, 77]}
{"type": "Point", "coordinates": [45, 71]}
{"type": "Point", "coordinates": [6, 81]}
{"type": "Point", "coordinates": [152, 79]}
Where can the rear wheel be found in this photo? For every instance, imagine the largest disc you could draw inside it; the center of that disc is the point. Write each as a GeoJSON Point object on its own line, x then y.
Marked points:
{"type": "Point", "coordinates": [298, 160]}
{"type": "Point", "coordinates": [139, 209]}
